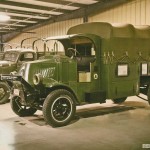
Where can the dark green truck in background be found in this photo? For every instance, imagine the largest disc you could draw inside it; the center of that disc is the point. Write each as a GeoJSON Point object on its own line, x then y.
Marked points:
{"type": "Point", "coordinates": [101, 62]}
{"type": "Point", "coordinates": [11, 61]}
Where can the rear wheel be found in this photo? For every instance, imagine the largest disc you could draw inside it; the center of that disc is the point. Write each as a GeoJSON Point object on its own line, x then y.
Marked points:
{"type": "Point", "coordinates": [19, 109]}
{"type": "Point", "coordinates": [59, 108]}
{"type": "Point", "coordinates": [4, 92]}
{"type": "Point", "coordinates": [119, 100]}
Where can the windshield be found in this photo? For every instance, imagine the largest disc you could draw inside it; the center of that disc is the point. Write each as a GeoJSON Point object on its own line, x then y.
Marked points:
{"type": "Point", "coordinates": [10, 56]}
{"type": "Point", "coordinates": [77, 46]}
{"type": "Point", "coordinates": [81, 47]}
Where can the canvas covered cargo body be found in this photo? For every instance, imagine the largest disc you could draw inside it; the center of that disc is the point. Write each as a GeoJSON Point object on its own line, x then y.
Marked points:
{"type": "Point", "coordinates": [124, 57]}
{"type": "Point", "coordinates": [101, 62]}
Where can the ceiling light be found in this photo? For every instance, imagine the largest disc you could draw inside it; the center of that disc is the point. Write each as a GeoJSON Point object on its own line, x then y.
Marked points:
{"type": "Point", "coordinates": [4, 17]}
{"type": "Point", "coordinates": [85, 2]}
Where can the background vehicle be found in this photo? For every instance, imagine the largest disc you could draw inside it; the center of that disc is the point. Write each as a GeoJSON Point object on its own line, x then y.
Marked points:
{"type": "Point", "coordinates": [101, 62]}
{"type": "Point", "coordinates": [10, 62]}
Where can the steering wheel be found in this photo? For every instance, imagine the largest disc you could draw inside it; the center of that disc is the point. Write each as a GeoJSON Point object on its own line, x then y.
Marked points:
{"type": "Point", "coordinates": [71, 52]}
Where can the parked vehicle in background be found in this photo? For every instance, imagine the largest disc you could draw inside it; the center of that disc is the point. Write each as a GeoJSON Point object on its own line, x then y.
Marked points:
{"type": "Point", "coordinates": [10, 62]}
{"type": "Point", "coordinates": [101, 62]}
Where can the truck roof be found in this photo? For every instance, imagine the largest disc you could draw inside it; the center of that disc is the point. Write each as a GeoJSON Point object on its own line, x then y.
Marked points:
{"type": "Point", "coordinates": [20, 50]}
{"type": "Point", "coordinates": [66, 37]}
{"type": "Point", "coordinates": [59, 37]}
{"type": "Point", "coordinates": [107, 30]}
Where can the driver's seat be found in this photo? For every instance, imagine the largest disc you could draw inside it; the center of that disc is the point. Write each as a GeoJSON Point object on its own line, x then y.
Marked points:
{"type": "Point", "coordinates": [83, 63]}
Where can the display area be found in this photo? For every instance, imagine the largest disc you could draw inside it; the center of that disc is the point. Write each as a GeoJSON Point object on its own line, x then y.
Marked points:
{"type": "Point", "coordinates": [74, 74]}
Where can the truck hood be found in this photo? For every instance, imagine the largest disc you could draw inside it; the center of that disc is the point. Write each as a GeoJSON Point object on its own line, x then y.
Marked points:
{"type": "Point", "coordinates": [6, 63]}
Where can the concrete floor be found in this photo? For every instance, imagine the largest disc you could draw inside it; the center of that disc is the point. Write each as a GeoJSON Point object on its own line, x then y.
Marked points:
{"type": "Point", "coordinates": [96, 127]}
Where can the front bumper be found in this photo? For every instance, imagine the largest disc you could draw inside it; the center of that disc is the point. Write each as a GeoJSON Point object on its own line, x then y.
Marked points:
{"type": "Point", "coordinates": [8, 77]}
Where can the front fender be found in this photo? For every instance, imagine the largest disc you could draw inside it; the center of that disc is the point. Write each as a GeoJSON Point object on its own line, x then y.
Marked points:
{"type": "Point", "coordinates": [52, 85]}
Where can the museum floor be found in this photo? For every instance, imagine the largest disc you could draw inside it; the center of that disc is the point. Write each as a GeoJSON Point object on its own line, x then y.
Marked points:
{"type": "Point", "coordinates": [96, 127]}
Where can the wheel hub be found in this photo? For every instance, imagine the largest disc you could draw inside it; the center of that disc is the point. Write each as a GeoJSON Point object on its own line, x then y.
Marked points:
{"type": "Point", "coordinates": [61, 109]}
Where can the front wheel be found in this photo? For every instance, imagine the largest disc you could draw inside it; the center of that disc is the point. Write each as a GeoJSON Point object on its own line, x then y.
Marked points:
{"type": "Point", "coordinates": [4, 92]}
{"type": "Point", "coordinates": [59, 108]}
{"type": "Point", "coordinates": [19, 109]}
{"type": "Point", "coordinates": [119, 100]}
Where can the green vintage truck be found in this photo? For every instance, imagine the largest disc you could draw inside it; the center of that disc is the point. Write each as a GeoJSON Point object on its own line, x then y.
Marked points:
{"type": "Point", "coordinates": [101, 62]}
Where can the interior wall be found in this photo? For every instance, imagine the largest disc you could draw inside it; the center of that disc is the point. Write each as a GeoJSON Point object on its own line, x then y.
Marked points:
{"type": "Point", "coordinates": [135, 12]}
{"type": "Point", "coordinates": [54, 29]}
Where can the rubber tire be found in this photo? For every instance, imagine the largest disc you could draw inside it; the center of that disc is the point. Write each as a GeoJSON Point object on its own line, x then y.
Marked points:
{"type": "Point", "coordinates": [16, 109]}
{"type": "Point", "coordinates": [119, 100]}
{"type": "Point", "coordinates": [6, 89]}
{"type": "Point", "coordinates": [148, 94]}
{"type": "Point", "coordinates": [48, 103]}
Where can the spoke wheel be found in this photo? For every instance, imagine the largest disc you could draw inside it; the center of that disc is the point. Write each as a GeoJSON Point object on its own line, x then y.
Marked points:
{"type": "Point", "coordinates": [59, 108]}
{"type": "Point", "coordinates": [19, 109]}
{"type": "Point", "coordinates": [119, 100]}
{"type": "Point", "coordinates": [4, 92]}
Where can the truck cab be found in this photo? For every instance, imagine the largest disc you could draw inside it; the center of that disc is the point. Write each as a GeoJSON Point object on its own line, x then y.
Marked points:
{"type": "Point", "coordinates": [13, 58]}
